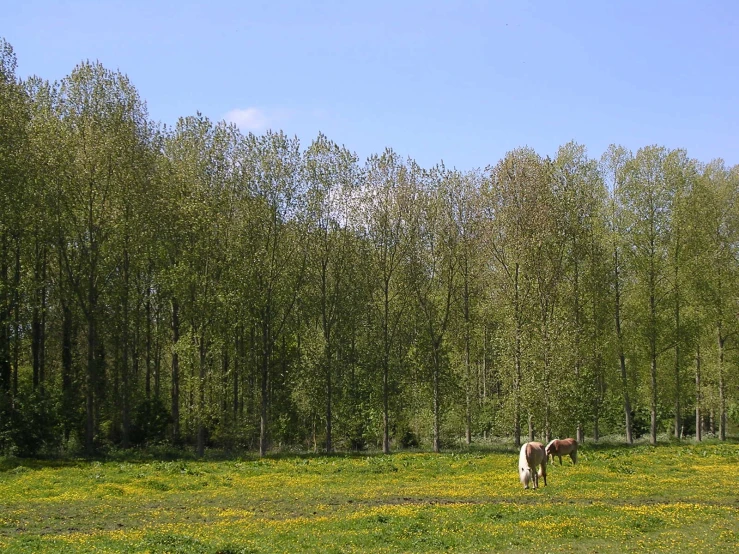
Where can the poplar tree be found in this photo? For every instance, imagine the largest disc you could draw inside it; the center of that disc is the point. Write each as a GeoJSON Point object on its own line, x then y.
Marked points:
{"type": "Point", "coordinates": [332, 177]}
{"type": "Point", "coordinates": [387, 201]}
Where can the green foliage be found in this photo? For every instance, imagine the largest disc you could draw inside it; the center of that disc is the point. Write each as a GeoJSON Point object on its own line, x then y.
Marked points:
{"type": "Point", "coordinates": [150, 421]}
{"type": "Point", "coordinates": [202, 287]}
{"type": "Point", "coordinates": [733, 412]}
{"type": "Point", "coordinates": [408, 439]}
{"type": "Point", "coordinates": [30, 424]}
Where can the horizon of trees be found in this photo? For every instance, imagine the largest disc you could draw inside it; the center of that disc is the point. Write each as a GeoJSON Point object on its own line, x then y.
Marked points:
{"type": "Point", "coordinates": [204, 287]}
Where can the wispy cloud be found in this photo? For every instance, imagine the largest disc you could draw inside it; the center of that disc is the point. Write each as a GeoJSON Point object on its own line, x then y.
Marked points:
{"type": "Point", "coordinates": [290, 120]}
{"type": "Point", "coordinates": [249, 119]}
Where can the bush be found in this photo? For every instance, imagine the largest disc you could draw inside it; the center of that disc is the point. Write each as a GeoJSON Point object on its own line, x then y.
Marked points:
{"type": "Point", "coordinates": [150, 421]}
{"type": "Point", "coordinates": [409, 439]}
{"type": "Point", "coordinates": [29, 423]}
{"type": "Point", "coordinates": [733, 413]}
{"type": "Point", "coordinates": [641, 421]}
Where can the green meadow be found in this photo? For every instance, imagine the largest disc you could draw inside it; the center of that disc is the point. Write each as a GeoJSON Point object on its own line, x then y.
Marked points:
{"type": "Point", "coordinates": [676, 498]}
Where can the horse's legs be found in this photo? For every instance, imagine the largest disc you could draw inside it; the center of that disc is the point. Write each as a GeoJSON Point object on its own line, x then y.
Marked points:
{"type": "Point", "coordinates": [560, 458]}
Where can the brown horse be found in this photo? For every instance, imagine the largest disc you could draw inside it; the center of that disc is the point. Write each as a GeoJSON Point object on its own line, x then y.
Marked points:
{"type": "Point", "coordinates": [532, 456]}
{"type": "Point", "coordinates": [561, 448]}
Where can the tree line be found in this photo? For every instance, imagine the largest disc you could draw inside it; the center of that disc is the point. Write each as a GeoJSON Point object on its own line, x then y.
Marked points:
{"type": "Point", "coordinates": [199, 286]}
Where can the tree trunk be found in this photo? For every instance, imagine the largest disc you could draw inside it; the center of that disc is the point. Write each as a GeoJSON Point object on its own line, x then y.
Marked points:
{"type": "Point", "coordinates": [5, 312]}
{"type": "Point", "coordinates": [547, 377]}
{"type": "Point", "coordinates": [437, 441]}
{"type": "Point", "coordinates": [16, 314]}
{"type": "Point", "coordinates": [236, 372]}
{"type": "Point", "coordinates": [652, 347]}
{"type": "Point", "coordinates": [224, 380]}
{"type": "Point", "coordinates": [596, 429]}
{"type": "Point", "coordinates": [148, 339]}
{"type": "Point", "coordinates": [517, 362]}
{"type": "Point", "coordinates": [678, 418]}
{"type": "Point", "coordinates": [329, 394]}
{"type": "Point", "coordinates": [579, 432]}
{"type": "Point", "coordinates": [90, 381]}
{"type": "Point", "coordinates": [721, 385]}
{"type": "Point", "coordinates": [92, 370]}
{"type": "Point", "coordinates": [601, 387]}
{"type": "Point", "coordinates": [175, 371]}
{"type": "Point", "coordinates": [531, 427]}
{"type": "Point", "coordinates": [621, 355]}
{"type": "Point", "coordinates": [386, 369]}
{"type": "Point", "coordinates": [36, 325]}
{"type": "Point", "coordinates": [41, 345]}
{"type": "Point", "coordinates": [653, 399]}
{"type": "Point", "coordinates": [698, 422]}
{"type": "Point", "coordinates": [468, 399]}
{"type": "Point", "coordinates": [264, 385]}
{"type": "Point", "coordinates": [125, 362]}
{"type": "Point", "coordinates": [200, 448]}
{"type": "Point", "coordinates": [485, 363]}
{"type": "Point", "coordinates": [467, 372]}
{"type": "Point", "coordinates": [38, 318]}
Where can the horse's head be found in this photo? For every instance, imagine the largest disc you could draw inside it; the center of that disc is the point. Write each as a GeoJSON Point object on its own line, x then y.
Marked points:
{"type": "Point", "coordinates": [551, 449]}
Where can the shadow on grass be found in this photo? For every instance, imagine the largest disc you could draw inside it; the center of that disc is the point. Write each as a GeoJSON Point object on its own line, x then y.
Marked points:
{"type": "Point", "coordinates": [21, 465]}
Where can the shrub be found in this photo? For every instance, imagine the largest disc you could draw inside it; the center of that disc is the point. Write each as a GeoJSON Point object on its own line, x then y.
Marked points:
{"type": "Point", "coordinates": [150, 421]}
{"type": "Point", "coordinates": [29, 423]}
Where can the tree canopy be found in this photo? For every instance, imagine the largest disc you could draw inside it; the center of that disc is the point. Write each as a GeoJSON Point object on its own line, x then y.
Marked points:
{"type": "Point", "coordinates": [199, 286]}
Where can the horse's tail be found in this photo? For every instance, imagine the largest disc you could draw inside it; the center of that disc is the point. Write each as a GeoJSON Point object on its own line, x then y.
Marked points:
{"type": "Point", "coordinates": [573, 455]}
{"type": "Point", "coordinates": [524, 473]}
{"type": "Point", "coordinates": [525, 476]}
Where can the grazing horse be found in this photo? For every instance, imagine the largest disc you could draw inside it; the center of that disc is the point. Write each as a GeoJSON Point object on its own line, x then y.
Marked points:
{"type": "Point", "coordinates": [561, 448]}
{"type": "Point", "coordinates": [532, 456]}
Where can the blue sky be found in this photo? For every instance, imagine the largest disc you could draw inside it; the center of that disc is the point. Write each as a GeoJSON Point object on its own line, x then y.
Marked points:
{"type": "Point", "coordinates": [462, 82]}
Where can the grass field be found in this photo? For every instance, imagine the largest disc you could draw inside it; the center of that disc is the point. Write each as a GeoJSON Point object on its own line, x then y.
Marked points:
{"type": "Point", "coordinates": [679, 498]}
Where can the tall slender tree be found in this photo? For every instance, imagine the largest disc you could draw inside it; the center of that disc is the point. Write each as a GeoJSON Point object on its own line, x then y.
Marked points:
{"type": "Point", "coordinates": [272, 166]}
{"type": "Point", "coordinates": [715, 226]}
{"type": "Point", "coordinates": [100, 110]}
{"type": "Point", "coordinates": [511, 209]}
{"type": "Point", "coordinates": [333, 177]}
{"type": "Point", "coordinates": [466, 218]}
{"type": "Point", "coordinates": [647, 201]}
{"type": "Point", "coordinates": [388, 201]}
{"type": "Point", "coordinates": [614, 164]}
{"type": "Point", "coordinates": [434, 277]}
{"type": "Point", "coordinates": [14, 114]}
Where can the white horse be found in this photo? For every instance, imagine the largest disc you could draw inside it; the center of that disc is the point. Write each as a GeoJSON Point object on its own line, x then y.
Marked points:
{"type": "Point", "coordinates": [532, 456]}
